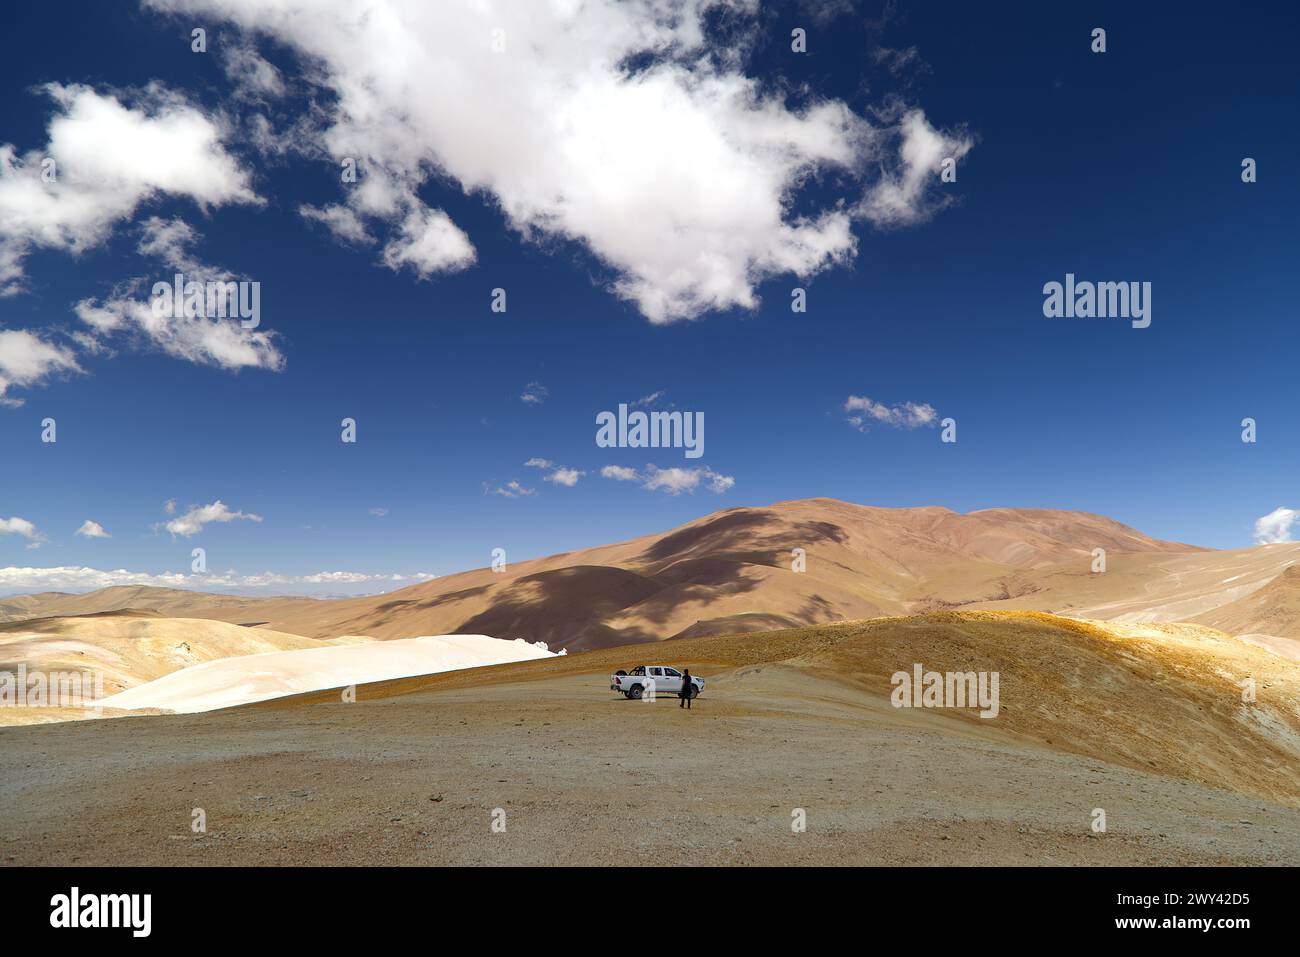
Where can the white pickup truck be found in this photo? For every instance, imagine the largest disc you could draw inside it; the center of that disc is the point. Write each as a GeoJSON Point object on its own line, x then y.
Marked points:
{"type": "Point", "coordinates": [664, 680]}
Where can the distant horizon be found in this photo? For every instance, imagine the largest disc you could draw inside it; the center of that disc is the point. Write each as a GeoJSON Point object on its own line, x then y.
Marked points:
{"type": "Point", "coordinates": [148, 580]}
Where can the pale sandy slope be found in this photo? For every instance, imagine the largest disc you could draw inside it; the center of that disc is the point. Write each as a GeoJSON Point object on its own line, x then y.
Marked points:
{"type": "Point", "coordinates": [132, 647]}
{"type": "Point", "coordinates": [249, 678]}
{"type": "Point", "coordinates": [1145, 722]}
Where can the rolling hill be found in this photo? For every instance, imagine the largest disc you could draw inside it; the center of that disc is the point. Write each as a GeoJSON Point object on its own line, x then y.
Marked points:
{"type": "Point", "coordinates": [734, 571]}
{"type": "Point", "coordinates": [731, 571]}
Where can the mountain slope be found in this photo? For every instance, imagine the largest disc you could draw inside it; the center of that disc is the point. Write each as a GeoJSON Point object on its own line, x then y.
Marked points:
{"type": "Point", "coordinates": [1271, 611]}
{"type": "Point", "coordinates": [732, 571]}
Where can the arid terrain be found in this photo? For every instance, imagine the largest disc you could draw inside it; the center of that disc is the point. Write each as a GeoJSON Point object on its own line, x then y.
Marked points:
{"type": "Point", "coordinates": [734, 571]}
{"type": "Point", "coordinates": [1163, 693]}
{"type": "Point", "coordinates": [1146, 723]}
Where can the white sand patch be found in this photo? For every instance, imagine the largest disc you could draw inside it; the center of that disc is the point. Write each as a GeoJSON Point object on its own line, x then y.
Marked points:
{"type": "Point", "coordinates": [248, 678]}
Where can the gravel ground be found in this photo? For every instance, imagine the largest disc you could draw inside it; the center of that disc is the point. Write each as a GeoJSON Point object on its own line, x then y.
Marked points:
{"type": "Point", "coordinates": [583, 776]}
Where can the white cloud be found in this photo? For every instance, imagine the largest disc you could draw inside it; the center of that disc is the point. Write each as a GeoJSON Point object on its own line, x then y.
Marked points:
{"type": "Point", "coordinates": [1276, 526]}
{"type": "Point", "coordinates": [429, 242]}
{"type": "Point", "coordinates": [193, 521]}
{"type": "Point", "coordinates": [254, 77]}
{"type": "Point", "coordinates": [17, 580]}
{"type": "Point", "coordinates": [169, 506]}
{"type": "Point", "coordinates": [534, 393]}
{"type": "Point", "coordinates": [650, 399]}
{"type": "Point", "coordinates": [206, 340]}
{"type": "Point", "coordinates": [558, 474]}
{"type": "Point", "coordinates": [91, 529]}
{"type": "Point", "coordinates": [345, 224]}
{"type": "Point", "coordinates": [511, 489]}
{"type": "Point", "coordinates": [900, 197]}
{"type": "Point", "coordinates": [108, 159]}
{"type": "Point", "coordinates": [673, 481]}
{"type": "Point", "coordinates": [681, 174]}
{"type": "Point", "coordinates": [21, 526]}
{"type": "Point", "coordinates": [620, 473]}
{"type": "Point", "coordinates": [565, 477]}
{"type": "Point", "coordinates": [27, 360]}
{"type": "Point", "coordinates": [904, 415]}
{"type": "Point", "coordinates": [379, 512]}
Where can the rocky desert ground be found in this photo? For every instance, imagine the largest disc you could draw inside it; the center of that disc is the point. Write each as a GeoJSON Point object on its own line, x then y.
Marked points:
{"type": "Point", "coordinates": [538, 763]}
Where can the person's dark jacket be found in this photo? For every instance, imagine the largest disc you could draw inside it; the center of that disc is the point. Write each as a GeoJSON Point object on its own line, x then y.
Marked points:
{"type": "Point", "coordinates": [688, 686]}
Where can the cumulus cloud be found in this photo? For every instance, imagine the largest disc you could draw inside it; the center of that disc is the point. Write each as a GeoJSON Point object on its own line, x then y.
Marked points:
{"type": "Point", "coordinates": [91, 529]}
{"type": "Point", "coordinates": [620, 473]}
{"type": "Point", "coordinates": [904, 415]}
{"type": "Point", "coordinates": [558, 474]}
{"type": "Point", "coordinates": [628, 126]}
{"type": "Point", "coordinates": [75, 578]}
{"type": "Point", "coordinates": [193, 521]}
{"type": "Point", "coordinates": [210, 340]}
{"type": "Point", "coordinates": [672, 481]}
{"type": "Point", "coordinates": [1276, 526]}
{"type": "Point", "coordinates": [106, 158]}
{"type": "Point", "coordinates": [27, 359]}
{"type": "Point", "coordinates": [22, 527]}
{"type": "Point", "coordinates": [428, 242]}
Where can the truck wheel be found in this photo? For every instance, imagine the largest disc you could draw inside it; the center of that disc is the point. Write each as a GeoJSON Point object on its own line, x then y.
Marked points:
{"type": "Point", "coordinates": [635, 692]}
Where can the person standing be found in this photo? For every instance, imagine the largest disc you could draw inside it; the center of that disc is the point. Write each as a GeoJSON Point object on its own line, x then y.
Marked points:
{"type": "Point", "coordinates": [687, 692]}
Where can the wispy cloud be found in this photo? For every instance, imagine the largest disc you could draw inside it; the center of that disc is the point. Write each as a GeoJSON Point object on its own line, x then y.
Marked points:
{"type": "Point", "coordinates": [904, 415]}
{"type": "Point", "coordinates": [558, 474]}
{"type": "Point", "coordinates": [91, 529]}
{"type": "Point", "coordinates": [193, 521]}
{"type": "Point", "coordinates": [511, 489]}
{"type": "Point", "coordinates": [534, 393]}
{"type": "Point", "coordinates": [672, 481]}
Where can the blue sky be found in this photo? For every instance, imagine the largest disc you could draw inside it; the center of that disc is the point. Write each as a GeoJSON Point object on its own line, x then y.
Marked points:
{"type": "Point", "coordinates": [1121, 166]}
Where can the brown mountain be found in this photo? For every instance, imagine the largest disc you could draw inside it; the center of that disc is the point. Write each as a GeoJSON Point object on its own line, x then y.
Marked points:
{"type": "Point", "coordinates": [1269, 612]}
{"type": "Point", "coordinates": [731, 571]}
